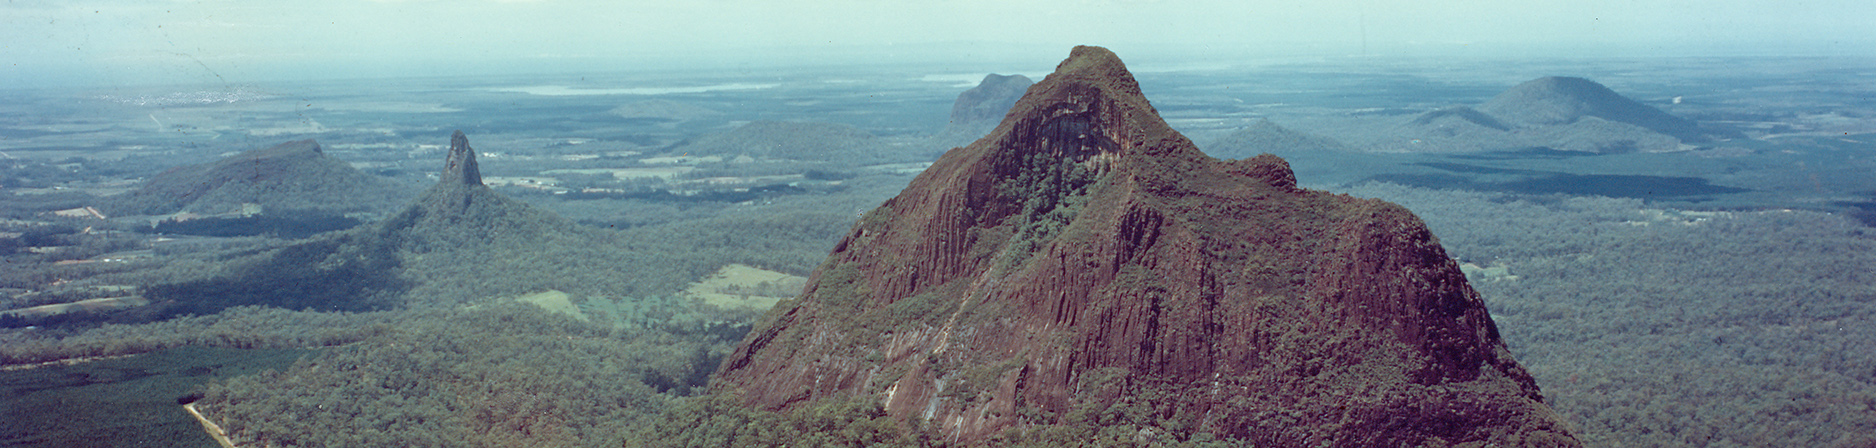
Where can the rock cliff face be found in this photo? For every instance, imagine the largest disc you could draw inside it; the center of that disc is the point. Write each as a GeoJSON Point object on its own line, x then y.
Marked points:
{"type": "Point", "coordinates": [1086, 257]}
{"type": "Point", "coordinates": [460, 166]}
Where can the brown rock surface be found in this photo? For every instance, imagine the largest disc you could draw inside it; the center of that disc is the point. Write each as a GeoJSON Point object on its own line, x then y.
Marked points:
{"type": "Point", "coordinates": [1085, 254]}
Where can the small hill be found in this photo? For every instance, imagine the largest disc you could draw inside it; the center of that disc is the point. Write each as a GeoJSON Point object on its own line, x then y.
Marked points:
{"type": "Point", "coordinates": [1596, 135]}
{"type": "Point", "coordinates": [1559, 100]}
{"type": "Point", "coordinates": [1084, 275]}
{"type": "Point", "coordinates": [979, 109]}
{"type": "Point", "coordinates": [1458, 115]}
{"type": "Point", "coordinates": [1266, 137]}
{"type": "Point", "coordinates": [1451, 129]}
{"type": "Point", "coordinates": [796, 140]}
{"type": "Point", "coordinates": [295, 175]}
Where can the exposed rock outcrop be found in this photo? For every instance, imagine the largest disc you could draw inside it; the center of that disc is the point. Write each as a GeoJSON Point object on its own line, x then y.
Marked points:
{"type": "Point", "coordinates": [460, 212]}
{"type": "Point", "coordinates": [1084, 257]}
{"type": "Point", "coordinates": [460, 166]}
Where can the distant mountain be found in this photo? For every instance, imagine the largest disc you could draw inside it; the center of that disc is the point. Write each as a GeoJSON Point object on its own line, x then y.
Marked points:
{"type": "Point", "coordinates": [797, 140]}
{"type": "Point", "coordinates": [1458, 115]}
{"type": "Point", "coordinates": [1266, 137]}
{"type": "Point", "coordinates": [459, 211]}
{"type": "Point", "coordinates": [458, 242]}
{"type": "Point", "coordinates": [296, 176]}
{"type": "Point", "coordinates": [1571, 114]}
{"type": "Point", "coordinates": [1453, 129]}
{"type": "Point", "coordinates": [978, 110]}
{"type": "Point", "coordinates": [1596, 135]}
{"type": "Point", "coordinates": [1558, 100]}
{"type": "Point", "coordinates": [1085, 272]}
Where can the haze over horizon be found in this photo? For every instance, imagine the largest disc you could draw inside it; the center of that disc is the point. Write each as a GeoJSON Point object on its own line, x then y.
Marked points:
{"type": "Point", "coordinates": [122, 42]}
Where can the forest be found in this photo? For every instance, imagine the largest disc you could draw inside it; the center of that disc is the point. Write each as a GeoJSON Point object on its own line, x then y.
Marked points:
{"type": "Point", "coordinates": [1644, 326]}
{"type": "Point", "coordinates": [1653, 327]}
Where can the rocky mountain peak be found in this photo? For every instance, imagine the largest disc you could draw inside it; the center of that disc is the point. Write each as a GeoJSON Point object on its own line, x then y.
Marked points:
{"type": "Point", "coordinates": [1085, 257]}
{"type": "Point", "coordinates": [460, 167]}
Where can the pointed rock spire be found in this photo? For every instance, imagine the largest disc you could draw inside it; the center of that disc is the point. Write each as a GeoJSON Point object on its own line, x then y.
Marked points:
{"type": "Point", "coordinates": [460, 168]}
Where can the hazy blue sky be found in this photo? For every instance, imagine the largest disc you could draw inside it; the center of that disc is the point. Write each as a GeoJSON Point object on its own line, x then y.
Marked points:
{"type": "Point", "coordinates": [215, 41]}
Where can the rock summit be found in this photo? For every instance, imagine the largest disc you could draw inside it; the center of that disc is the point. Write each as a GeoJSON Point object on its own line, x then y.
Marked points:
{"type": "Point", "coordinates": [1086, 264]}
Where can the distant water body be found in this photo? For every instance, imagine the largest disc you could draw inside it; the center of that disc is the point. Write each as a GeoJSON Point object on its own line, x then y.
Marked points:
{"type": "Point", "coordinates": [554, 90]}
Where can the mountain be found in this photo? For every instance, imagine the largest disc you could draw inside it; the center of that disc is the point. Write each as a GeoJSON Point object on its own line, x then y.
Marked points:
{"type": "Point", "coordinates": [978, 110]}
{"type": "Point", "coordinates": [796, 140]}
{"type": "Point", "coordinates": [1559, 100]}
{"type": "Point", "coordinates": [460, 212]}
{"type": "Point", "coordinates": [457, 242]}
{"type": "Point", "coordinates": [1596, 135]}
{"type": "Point", "coordinates": [1452, 129]}
{"type": "Point", "coordinates": [1084, 269]}
{"type": "Point", "coordinates": [294, 175]}
{"type": "Point", "coordinates": [1458, 115]}
{"type": "Point", "coordinates": [1267, 137]}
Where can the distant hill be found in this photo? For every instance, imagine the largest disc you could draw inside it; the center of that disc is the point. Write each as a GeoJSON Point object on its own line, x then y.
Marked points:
{"type": "Point", "coordinates": [1267, 137]}
{"type": "Point", "coordinates": [295, 176]}
{"type": "Point", "coordinates": [458, 242]}
{"type": "Point", "coordinates": [797, 140]}
{"type": "Point", "coordinates": [1458, 114]}
{"type": "Point", "coordinates": [1571, 114]}
{"type": "Point", "coordinates": [1452, 129]}
{"type": "Point", "coordinates": [1559, 100]}
{"type": "Point", "coordinates": [980, 109]}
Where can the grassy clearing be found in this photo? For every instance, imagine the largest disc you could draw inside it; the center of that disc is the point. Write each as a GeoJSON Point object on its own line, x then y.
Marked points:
{"type": "Point", "coordinates": [743, 286]}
